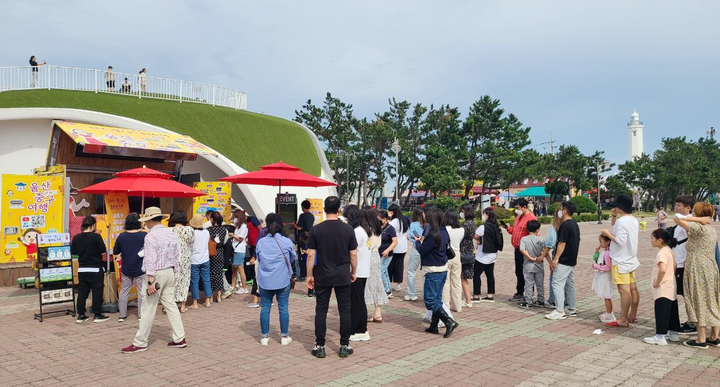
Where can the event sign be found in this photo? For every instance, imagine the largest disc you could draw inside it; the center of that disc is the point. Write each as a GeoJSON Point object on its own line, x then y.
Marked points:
{"type": "Point", "coordinates": [31, 205]}
{"type": "Point", "coordinates": [217, 197]}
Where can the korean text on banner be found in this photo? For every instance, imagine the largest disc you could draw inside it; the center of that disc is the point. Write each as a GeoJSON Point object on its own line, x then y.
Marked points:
{"type": "Point", "coordinates": [217, 198]}
{"type": "Point", "coordinates": [31, 205]}
{"type": "Point", "coordinates": [316, 208]}
{"type": "Point", "coordinates": [117, 208]}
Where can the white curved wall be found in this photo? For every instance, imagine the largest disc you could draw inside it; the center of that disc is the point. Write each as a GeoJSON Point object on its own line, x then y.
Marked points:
{"type": "Point", "coordinates": [25, 136]}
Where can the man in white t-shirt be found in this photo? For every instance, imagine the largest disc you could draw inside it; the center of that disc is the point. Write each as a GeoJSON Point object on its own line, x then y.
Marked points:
{"type": "Point", "coordinates": [683, 207]}
{"type": "Point", "coordinates": [623, 251]}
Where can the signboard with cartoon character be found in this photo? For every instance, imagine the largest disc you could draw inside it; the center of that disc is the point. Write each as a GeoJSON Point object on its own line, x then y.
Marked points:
{"type": "Point", "coordinates": [217, 198]}
{"type": "Point", "coordinates": [31, 205]}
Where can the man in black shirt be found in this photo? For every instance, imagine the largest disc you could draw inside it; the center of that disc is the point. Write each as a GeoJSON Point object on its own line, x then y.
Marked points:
{"type": "Point", "coordinates": [305, 222]}
{"type": "Point", "coordinates": [563, 264]}
{"type": "Point", "coordinates": [334, 244]}
{"type": "Point", "coordinates": [89, 247]}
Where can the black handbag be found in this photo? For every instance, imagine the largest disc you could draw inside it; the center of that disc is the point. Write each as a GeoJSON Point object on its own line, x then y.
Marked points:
{"type": "Point", "coordinates": [467, 259]}
{"type": "Point", "coordinates": [450, 252]}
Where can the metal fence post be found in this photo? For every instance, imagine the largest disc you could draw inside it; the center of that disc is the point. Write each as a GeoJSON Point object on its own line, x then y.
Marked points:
{"type": "Point", "coordinates": [181, 82]}
{"type": "Point", "coordinates": [48, 77]}
{"type": "Point", "coordinates": [96, 77]}
{"type": "Point", "coordinates": [213, 95]}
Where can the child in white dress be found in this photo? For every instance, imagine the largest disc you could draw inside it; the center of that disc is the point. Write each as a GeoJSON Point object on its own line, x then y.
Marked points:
{"type": "Point", "coordinates": [602, 283]}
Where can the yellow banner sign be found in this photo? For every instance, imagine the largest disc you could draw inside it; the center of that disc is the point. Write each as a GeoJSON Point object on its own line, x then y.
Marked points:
{"type": "Point", "coordinates": [31, 205]}
{"type": "Point", "coordinates": [96, 137]}
{"type": "Point", "coordinates": [316, 208]}
{"type": "Point", "coordinates": [117, 208]}
{"type": "Point", "coordinates": [217, 198]}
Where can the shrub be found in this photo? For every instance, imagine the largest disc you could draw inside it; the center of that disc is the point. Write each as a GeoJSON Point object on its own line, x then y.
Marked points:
{"type": "Point", "coordinates": [503, 213]}
{"type": "Point", "coordinates": [445, 203]}
{"type": "Point", "coordinates": [545, 219]}
{"type": "Point", "coordinates": [584, 205]}
{"type": "Point", "coordinates": [552, 209]}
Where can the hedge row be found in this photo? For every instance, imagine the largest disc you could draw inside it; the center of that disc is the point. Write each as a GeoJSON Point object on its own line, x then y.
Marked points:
{"type": "Point", "coordinates": [577, 218]}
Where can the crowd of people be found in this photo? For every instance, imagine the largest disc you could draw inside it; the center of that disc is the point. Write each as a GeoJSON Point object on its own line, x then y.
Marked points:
{"type": "Point", "coordinates": [359, 253]}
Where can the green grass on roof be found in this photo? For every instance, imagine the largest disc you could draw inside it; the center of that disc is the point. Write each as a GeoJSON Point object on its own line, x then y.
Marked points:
{"type": "Point", "coordinates": [249, 139]}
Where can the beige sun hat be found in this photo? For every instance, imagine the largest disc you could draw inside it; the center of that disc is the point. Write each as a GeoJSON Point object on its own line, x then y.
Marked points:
{"type": "Point", "coordinates": [152, 213]}
{"type": "Point", "coordinates": [197, 221]}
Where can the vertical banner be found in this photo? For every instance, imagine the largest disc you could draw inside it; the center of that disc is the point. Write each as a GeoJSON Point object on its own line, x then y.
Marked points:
{"type": "Point", "coordinates": [117, 207]}
{"type": "Point", "coordinates": [31, 205]}
{"type": "Point", "coordinates": [217, 198]}
{"type": "Point", "coordinates": [316, 208]}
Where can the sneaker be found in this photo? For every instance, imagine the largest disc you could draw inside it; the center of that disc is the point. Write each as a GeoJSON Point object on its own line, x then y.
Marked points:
{"type": "Point", "coordinates": [517, 297]}
{"type": "Point", "coordinates": [673, 336]}
{"type": "Point", "coordinates": [227, 294]}
{"type": "Point", "coordinates": [441, 324]}
{"type": "Point", "coordinates": [285, 340]}
{"type": "Point", "coordinates": [133, 349]}
{"type": "Point", "coordinates": [360, 337]}
{"type": "Point", "coordinates": [345, 351]}
{"type": "Point", "coordinates": [398, 288]}
{"type": "Point", "coordinates": [487, 299]}
{"type": "Point", "coordinates": [244, 291]}
{"type": "Point", "coordinates": [253, 305]}
{"type": "Point", "coordinates": [695, 344]}
{"type": "Point", "coordinates": [265, 341]}
{"type": "Point", "coordinates": [310, 295]}
{"type": "Point", "coordinates": [179, 344]}
{"type": "Point", "coordinates": [237, 291]}
{"type": "Point", "coordinates": [100, 318]}
{"type": "Point", "coordinates": [425, 319]}
{"type": "Point", "coordinates": [466, 305]}
{"type": "Point", "coordinates": [390, 296]}
{"type": "Point", "coordinates": [550, 305]}
{"type": "Point", "coordinates": [572, 312]}
{"type": "Point", "coordinates": [318, 351]}
{"type": "Point", "coordinates": [555, 315]}
{"type": "Point", "coordinates": [607, 317]}
{"type": "Point", "coordinates": [539, 304]}
{"type": "Point", "coordinates": [410, 298]}
{"type": "Point", "coordinates": [655, 341]}
{"type": "Point", "coordinates": [687, 329]}
{"type": "Point", "coordinates": [525, 305]}
{"type": "Point", "coordinates": [82, 318]}
{"type": "Point", "coordinates": [121, 319]}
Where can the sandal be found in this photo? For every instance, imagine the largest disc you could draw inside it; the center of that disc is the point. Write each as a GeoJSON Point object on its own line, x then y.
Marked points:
{"type": "Point", "coordinates": [634, 321]}
{"type": "Point", "coordinates": [193, 307]}
{"type": "Point", "coordinates": [207, 304]}
{"type": "Point", "coordinates": [378, 320]}
{"type": "Point", "coordinates": [615, 324]}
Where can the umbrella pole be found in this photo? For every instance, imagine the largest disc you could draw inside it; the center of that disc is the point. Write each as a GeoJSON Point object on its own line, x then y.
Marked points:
{"type": "Point", "coordinates": [142, 203]}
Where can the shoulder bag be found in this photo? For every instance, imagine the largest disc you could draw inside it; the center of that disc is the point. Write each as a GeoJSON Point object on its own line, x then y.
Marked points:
{"type": "Point", "coordinates": [287, 263]}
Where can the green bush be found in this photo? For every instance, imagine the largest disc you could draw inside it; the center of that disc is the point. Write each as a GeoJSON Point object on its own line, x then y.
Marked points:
{"type": "Point", "coordinates": [445, 203]}
{"type": "Point", "coordinates": [552, 209]}
{"type": "Point", "coordinates": [584, 205]}
{"type": "Point", "coordinates": [503, 213]}
{"type": "Point", "coordinates": [545, 219]}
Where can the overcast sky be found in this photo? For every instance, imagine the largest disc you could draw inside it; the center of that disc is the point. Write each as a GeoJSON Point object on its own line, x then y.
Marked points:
{"type": "Point", "coordinates": [573, 68]}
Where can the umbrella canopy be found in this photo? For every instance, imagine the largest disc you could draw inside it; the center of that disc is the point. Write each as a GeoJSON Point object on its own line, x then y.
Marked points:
{"type": "Point", "coordinates": [281, 165]}
{"type": "Point", "coordinates": [143, 172]}
{"type": "Point", "coordinates": [277, 175]}
{"type": "Point", "coordinates": [154, 187]}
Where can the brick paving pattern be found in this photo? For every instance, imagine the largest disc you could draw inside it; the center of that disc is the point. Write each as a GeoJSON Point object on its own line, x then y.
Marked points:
{"type": "Point", "coordinates": [497, 344]}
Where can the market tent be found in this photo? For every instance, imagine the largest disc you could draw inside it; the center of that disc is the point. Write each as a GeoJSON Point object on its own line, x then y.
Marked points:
{"type": "Point", "coordinates": [533, 192]}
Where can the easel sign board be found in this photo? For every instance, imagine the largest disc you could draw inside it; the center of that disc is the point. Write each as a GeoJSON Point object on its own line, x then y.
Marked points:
{"type": "Point", "coordinates": [53, 239]}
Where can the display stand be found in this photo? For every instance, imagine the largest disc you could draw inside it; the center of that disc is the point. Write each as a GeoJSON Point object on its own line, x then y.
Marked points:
{"type": "Point", "coordinates": [55, 273]}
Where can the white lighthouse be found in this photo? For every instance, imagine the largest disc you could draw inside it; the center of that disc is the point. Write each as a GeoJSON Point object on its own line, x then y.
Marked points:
{"type": "Point", "coordinates": [635, 136]}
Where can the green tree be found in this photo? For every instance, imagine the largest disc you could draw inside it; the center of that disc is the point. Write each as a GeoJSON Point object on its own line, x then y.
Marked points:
{"type": "Point", "coordinates": [615, 186]}
{"type": "Point", "coordinates": [333, 123]}
{"type": "Point", "coordinates": [494, 146]}
{"type": "Point", "coordinates": [440, 165]}
{"type": "Point", "coordinates": [584, 205]}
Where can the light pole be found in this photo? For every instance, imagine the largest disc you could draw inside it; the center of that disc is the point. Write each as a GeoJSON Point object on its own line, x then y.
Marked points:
{"type": "Point", "coordinates": [599, 206]}
{"type": "Point", "coordinates": [347, 176]}
{"type": "Point", "coordinates": [396, 148]}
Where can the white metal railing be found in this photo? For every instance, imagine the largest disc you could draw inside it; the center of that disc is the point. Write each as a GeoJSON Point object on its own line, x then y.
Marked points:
{"type": "Point", "coordinates": [103, 81]}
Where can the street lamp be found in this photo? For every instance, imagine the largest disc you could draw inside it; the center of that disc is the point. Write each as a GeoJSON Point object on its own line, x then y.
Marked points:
{"type": "Point", "coordinates": [347, 175]}
{"type": "Point", "coordinates": [396, 148]}
{"type": "Point", "coordinates": [599, 206]}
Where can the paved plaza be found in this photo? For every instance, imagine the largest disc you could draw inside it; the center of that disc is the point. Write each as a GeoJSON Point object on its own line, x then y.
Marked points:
{"type": "Point", "coordinates": [496, 344]}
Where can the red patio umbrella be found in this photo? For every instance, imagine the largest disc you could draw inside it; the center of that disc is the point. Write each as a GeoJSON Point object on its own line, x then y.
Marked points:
{"type": "Point", "coordinates": [279, 174]}
{"type": "Point", "coordinates": [143, 182]}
